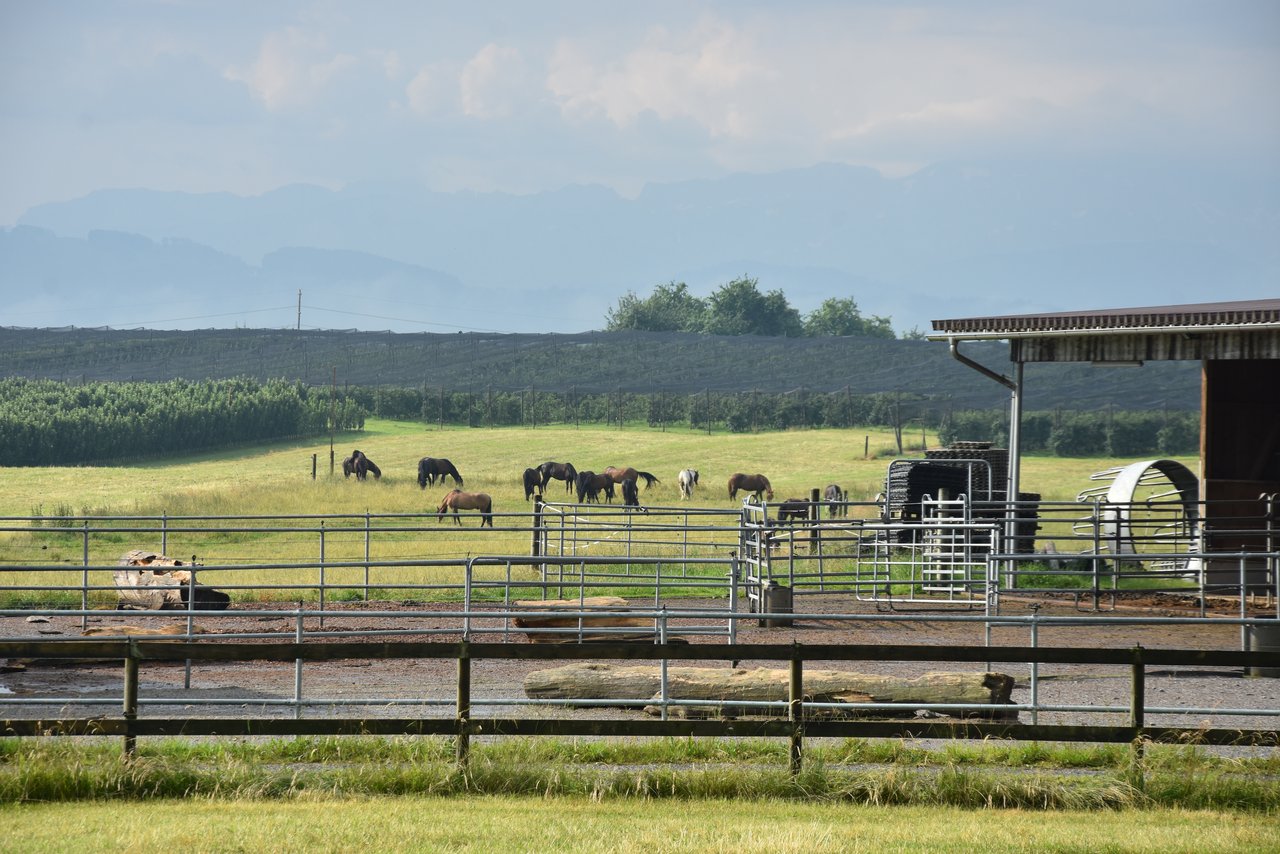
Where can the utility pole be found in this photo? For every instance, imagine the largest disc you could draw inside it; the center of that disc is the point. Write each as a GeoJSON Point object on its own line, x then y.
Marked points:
{"type": "Point", "coordinates": [299, 309]}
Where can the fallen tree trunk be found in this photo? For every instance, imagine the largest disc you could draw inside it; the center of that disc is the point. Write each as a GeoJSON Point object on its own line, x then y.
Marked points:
{"type": "Point", "coordinates": [639, 684]}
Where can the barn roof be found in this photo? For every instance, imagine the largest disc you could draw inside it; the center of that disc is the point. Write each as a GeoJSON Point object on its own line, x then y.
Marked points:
{"type": "Point", "coordinates": [1244, 315]}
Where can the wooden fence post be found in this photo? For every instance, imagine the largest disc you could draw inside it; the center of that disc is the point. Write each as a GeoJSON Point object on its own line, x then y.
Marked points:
{"type": "Point", "coordinates": [795, 710]}
{"type": "Point", "coordinates": [130, 703]}
{"type": "Point", "coordinates": [1137, 719]}
{"type": "Point", "coordinates": [464, 704]}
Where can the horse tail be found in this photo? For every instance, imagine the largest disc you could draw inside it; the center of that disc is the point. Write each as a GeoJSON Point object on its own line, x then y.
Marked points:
{"type": "Point", "coordinates": [649, 480]}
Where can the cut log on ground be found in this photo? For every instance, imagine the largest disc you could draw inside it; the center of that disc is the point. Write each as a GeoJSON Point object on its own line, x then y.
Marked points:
{"type": "Point", "coordinates": [566, 628]}
{"type": "Point", "coordinates": [638, 684]}
{"type": "Point", "coordinates": [115, 631]}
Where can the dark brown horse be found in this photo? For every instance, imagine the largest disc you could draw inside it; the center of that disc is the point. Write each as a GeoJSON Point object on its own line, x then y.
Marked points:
{"type": "Point", "coordinates": [558, 471]}
{"type": "Point", "coordinates": [360, 465]}
{"type": "Point", "coordinates": [590, 485]}
{"type": "Point", "coordinates": [794, 510]}
{"type": "Point", "coordinates": [532, 482]}
{"type": "Point", "coordinates": [631, 495]}
{"type": "Point", "coordinates": [618, 475]}
{"type": "Point", "coordinates": [430, 468]}
{"type": "Point", "coordinates": [458, 500]}
{"type": "Point", "coordinates": [753, 483]}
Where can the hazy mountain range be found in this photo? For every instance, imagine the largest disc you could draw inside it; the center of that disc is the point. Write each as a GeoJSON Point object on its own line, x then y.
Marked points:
{"type": "Point", "coordinates": [950, 241]}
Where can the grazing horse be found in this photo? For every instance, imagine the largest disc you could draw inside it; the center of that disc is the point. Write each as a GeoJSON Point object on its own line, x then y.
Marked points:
{"type": "Point", "coordinates": [429, 468]}
{"type": "Point", "coordinates": [835, 498]}
{"type": "Point", "coordinates": [688, 479]}
{"type": "Point", "coordinates": [532, 482]}
{"type": "Point", "coordinates": [360, 465]}
{"type": "Point", "coordinates": [590, 485]}
{"type": "Point", "coordinates": [618, 475]}
{"type": "Point", "coordinates": [793, 509]}
{"type": "Point", "coordinates": [458, 500]}
{"type": "Point", "coordinates": [753, 483]}
{"type": "Point", "coordinates": [631, 495]}
{"type": "Point", "coordinates": [559, 471]}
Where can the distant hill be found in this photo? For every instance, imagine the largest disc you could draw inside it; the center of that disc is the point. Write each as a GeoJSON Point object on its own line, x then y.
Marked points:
{"type": "Point", "coordinates": [588, 362]}
{"type": "Point", "coordinates": [953, 240]}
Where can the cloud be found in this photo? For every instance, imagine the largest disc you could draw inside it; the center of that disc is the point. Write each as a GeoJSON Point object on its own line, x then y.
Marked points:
{"type": "Point", "coordinates": [293, 67]}
{"type": "Point", "coordinates": [705, 75]}
{"type": "Point", "coordinates": [492, 82]}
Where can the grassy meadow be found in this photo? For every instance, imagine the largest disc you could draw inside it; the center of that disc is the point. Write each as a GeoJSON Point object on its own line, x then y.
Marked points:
{"type": "Point", "coordinates": [275, 482]}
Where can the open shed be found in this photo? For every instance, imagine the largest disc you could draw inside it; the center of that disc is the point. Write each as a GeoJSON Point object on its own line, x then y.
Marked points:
{"type": "Point", "coordinates": [1238, 347]}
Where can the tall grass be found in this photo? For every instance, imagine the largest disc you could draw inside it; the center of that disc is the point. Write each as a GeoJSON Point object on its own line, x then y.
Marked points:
{"type": "Point", "coordinates": [982, 776]}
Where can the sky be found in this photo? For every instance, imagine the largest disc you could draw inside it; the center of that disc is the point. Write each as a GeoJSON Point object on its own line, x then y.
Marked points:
{"type": "Point", "coordinates": [519, 97]}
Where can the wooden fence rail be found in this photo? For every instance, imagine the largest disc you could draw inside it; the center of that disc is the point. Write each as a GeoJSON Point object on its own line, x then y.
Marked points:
{"type": "Point", "coordinates": [793, 724]}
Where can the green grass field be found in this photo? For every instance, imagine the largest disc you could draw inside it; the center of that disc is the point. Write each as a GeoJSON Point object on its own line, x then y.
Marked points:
{"type": "Point", "coordinates": [276, 481]}
{"type": "Point", "coordinates": [501, 824]}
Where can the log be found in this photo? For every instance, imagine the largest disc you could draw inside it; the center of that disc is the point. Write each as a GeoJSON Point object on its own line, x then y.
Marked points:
{"type": "Point", "coordinates": [642, 625]}
{"type": "Point", "coordinates": [637, 684]}
{"type": "Point", "coordinates": [116, 631]}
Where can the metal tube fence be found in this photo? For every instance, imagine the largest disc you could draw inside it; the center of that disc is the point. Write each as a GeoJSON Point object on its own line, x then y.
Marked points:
{"type": "Point", "coordinates": [956, 555]}
{"type": "Point", "coordinates": [796, 718]}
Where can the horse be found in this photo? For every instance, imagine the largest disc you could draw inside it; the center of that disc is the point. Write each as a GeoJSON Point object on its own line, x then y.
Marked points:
{"type": "Point", "coordinates": [532, 482]}
{"type": "Point", "coordinates": [590, 485]}
{"type": "Point", "coordinates": [457, 500]}
{"type": "Point", "coordinates": [618, 475]}
{"type": "Point", "coordinates": [558, 471]}
{"type": "Point", "coordinates": [687, 479]}
{"type": "Point", "coordinates": [631, 495]}
{"type": "Point", "coordinates": [794, 509]}
{"type": "Point", "coordinates": [429, 468]}
{"type": "Point", "coordinates": [753, 483]}
{"type": "Point", "coordinates": [835, 498]}
{"type": "Point", "coordinates": [360, 465]}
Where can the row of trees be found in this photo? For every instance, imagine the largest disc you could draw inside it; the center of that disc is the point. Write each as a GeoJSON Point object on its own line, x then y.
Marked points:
{"type": "Point", "coordinates": [1061, 433]}
{"type": "Point", "coordinates": [46, 422]}
{"type": "Point", "coordinates": [740, 308]}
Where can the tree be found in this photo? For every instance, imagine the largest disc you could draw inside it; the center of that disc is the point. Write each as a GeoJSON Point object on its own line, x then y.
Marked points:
{"type": "Point", "coordinates": [670, 308]}
{"type": "Point", "coordinates": [840, 316]}
{"type": "Point", "coordinates": [738, 308]}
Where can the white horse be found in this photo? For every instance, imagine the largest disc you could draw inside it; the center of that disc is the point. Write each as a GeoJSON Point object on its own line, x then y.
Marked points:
{"type": "Point", "coordinates": [687, 479]}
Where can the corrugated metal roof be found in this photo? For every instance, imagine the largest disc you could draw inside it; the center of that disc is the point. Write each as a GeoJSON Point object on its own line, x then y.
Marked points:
{"type": "Point", "coordinates": [1261, 314]}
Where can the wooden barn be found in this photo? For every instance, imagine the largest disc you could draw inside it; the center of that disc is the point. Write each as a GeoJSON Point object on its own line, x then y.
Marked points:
{"type": "Point", "coordinates": [1238, 347]}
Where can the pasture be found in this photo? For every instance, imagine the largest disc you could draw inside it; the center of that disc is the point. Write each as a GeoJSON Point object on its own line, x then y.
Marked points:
{"type": "Point", "coordinates": [276, 481]}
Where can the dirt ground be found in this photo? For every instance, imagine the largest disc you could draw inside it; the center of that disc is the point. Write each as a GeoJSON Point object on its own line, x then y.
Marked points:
{"type": "Point", "coordinates": [369, 687]}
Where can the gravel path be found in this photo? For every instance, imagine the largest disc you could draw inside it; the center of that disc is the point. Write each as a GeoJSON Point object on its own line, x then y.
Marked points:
{"type": "Point", "coordinates": [398, 688]}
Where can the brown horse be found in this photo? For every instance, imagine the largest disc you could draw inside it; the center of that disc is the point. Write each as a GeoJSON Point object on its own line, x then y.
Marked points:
{"type": "Point", "coordinates": [360, 465]}
{"type": "Point", "coordinates": [458, 500]}
{"type": "Point", "coordinates": [532, 483]}
{"type": "Point", "coordinates": [794, 510]}
{"type": "Point", "coordinates": [618, 475]}
{"type": "Point", "coordinates": [590, 485]}
{"type": "Point", "coordinates": [753, 483]}
{"type": "Point", "coordinates": [558, 471]}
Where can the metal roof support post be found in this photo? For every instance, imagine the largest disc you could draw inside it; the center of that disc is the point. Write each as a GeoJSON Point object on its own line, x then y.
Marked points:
{"type": "Point", "coordinates": [1015, 436]}
{"type": "Point", "coordinates": [1015, 465]}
